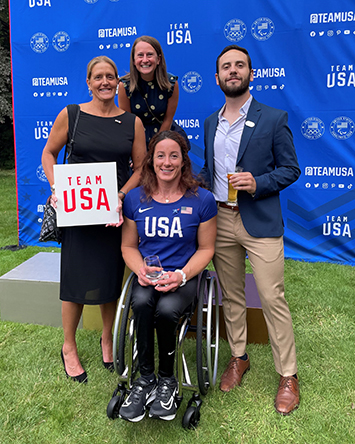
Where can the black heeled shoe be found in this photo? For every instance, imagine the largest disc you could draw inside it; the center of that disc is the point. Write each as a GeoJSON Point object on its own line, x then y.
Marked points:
{"type": "Point", "coordinates": [108, 365]}
{"type": "Point", "coordinates": [83, 378]}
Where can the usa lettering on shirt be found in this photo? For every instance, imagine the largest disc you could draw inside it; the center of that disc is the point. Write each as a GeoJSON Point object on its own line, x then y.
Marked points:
{"type": "Point", "coordinates": [159, 226]}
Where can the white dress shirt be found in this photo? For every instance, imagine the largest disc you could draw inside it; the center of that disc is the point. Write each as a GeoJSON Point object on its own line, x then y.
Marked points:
{"type": "Point", "coordinates": [226, 147]}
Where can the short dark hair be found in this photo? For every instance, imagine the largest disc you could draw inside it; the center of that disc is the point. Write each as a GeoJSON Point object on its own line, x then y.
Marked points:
{"type": "Point", "coordinates": [236, 48]}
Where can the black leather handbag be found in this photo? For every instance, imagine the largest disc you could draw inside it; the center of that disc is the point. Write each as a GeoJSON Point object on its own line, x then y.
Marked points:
{"type": "Point", "coordinates": [49, 229]}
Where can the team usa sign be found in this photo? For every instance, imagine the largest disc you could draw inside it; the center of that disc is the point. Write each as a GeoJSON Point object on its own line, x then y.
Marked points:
{"type": "Point", "coordinates": [87, 194]}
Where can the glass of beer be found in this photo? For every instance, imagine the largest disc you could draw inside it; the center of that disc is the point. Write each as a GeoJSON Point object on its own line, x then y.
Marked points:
{"type": "Point", "coordinates": [232, 192]}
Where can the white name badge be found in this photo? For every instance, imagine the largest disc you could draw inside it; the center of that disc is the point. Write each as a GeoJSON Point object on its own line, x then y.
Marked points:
{"type": "Point", "coordinates": [87, 193]}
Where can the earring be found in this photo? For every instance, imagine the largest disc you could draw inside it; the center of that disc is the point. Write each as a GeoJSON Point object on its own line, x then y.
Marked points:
{"type": "Point", "coordinates": [116, 90]}
{"type": "Point", "coordinates": [90, 92]}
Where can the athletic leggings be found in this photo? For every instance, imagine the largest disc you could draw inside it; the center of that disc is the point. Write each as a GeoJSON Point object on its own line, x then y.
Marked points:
{"type": "Point", "coordinates": [162, 311]}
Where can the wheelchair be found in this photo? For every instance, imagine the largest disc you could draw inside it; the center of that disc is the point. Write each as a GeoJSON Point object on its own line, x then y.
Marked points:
{"type": "Point", "coordinates": [201, 320]}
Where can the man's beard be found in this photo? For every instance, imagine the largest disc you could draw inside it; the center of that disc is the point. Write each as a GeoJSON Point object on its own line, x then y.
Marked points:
{"type": "Point", "coordinates": [234, 91]}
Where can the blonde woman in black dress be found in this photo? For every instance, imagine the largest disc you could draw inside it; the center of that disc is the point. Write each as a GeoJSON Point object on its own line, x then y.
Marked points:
{"type": "Point", "coordinates": [91, 262]}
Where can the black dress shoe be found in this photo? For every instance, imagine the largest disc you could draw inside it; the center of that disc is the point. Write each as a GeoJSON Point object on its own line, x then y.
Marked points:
{"type": "Point", "coordinates": [108, 365]}
{"type": "Point", "coordinates": [80, 378]}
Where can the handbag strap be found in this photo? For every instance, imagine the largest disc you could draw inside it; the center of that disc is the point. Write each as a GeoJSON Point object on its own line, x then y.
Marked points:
{"type": "Point", "coordinates": [146, 102]}
{"type": "Point", "coordinates": [69, 146]}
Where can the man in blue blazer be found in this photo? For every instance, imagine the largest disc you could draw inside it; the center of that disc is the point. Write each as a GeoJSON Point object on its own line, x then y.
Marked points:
{"type": "Point", "coordinates": [257, 139]}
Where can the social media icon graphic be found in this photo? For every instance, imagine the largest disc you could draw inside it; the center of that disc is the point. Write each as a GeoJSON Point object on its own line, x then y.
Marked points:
{"type": "Point", "coordinates": [321, 33]}
{"type": "Point", "coordinates": [308, 185]}
{"type": "Point", "coordinates": [350, 186]}
{"type": "Point", "coordinates": [308, 171]}
{"type": "Point", "coordinates": [347, 32]}
{"type": "Point", "coordinates": [325, 185]}
{"type": "Point", "coordinates": [312, 34]}
{"type": "Point", "coordinates": [330, 33]}
{"type": "Point", "coordinates": [341, 185]}
{"type": "Point", "coordinates": [316, 185]}
{"type": "Point", "coordinates": [333, 185]}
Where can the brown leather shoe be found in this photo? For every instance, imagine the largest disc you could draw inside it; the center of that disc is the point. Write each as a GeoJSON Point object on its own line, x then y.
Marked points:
{"type": "Point", "coordinates": [233, 374]}
{"type": "Point", "coordinates": [288, 395]}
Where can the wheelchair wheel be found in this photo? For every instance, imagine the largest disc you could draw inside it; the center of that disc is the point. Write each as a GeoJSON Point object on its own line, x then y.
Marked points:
{"type": "Point", "coordinates": [114, 406]}
{"type": "Point", "coordinates": [191, 418]}
{"type": "Point", "coordinates": [127, 345]}
{"type": "Point", "coordinates": [118, 320]}
{"type": "Point", "coordinates": [207, 334]}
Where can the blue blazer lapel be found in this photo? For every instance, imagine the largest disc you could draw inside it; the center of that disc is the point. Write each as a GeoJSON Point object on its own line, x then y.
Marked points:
{"type": "Point", "coordinates": [253, 116]}
{"type": "Point", "coordinates": [212, 128]}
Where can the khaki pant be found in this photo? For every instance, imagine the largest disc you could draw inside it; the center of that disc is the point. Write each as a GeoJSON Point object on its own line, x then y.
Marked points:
{"type": "Point", "coordinates": [266, 256]}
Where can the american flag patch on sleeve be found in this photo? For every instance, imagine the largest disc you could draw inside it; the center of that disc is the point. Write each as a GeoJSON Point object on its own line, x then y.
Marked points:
{"type": "Point", "coordinates": [186, 210]}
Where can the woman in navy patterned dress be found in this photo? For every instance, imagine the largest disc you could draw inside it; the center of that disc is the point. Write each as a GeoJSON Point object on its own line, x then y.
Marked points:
{"type": "Point", "coordinates": [149, 91]}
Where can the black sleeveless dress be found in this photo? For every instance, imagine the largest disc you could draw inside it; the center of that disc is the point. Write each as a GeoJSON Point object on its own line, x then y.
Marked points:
{"type": "Point", "coordinates": [91, 261]}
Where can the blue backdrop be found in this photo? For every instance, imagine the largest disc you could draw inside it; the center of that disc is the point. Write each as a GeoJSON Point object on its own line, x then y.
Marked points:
{"type": "Point", "coordinates": [303, 56]}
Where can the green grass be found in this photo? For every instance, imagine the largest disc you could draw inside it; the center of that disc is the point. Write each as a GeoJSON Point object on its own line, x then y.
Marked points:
{"type": "Point", "coordinates": [39, 405]}
{"type": "Point", "coordinates": [8, 226]}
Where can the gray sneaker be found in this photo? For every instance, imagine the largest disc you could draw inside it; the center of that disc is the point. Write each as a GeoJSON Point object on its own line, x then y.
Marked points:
{"type": "Point", "coordinates": [164, 405]}
{"type": "Point", "coordinates": [141, 394]}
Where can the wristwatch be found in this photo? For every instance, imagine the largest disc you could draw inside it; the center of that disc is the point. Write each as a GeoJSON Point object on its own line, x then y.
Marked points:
{"type": "Point", "coordinates": [183, 277]}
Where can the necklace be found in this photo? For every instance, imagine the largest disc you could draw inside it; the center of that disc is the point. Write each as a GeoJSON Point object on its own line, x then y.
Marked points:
{"type": "Point", "coordinates": [166, 198]}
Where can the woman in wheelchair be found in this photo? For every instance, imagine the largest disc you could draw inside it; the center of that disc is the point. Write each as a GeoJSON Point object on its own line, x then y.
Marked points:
{"type": "Point", "coordinates": [171, 216]}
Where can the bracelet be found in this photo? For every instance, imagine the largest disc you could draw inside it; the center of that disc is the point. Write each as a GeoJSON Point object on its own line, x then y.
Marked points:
{"type": "Point", "coordinates": [53, 188]}
{"type": "Point", "coordinates": [122, 192]}
{"type": "Point", "coordinates": [183, 277]}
